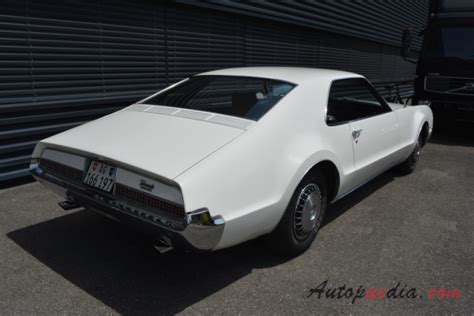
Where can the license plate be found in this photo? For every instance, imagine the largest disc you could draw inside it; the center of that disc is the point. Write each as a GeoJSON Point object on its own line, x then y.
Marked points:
{"type": "Point", "coordinates": [100, 176]}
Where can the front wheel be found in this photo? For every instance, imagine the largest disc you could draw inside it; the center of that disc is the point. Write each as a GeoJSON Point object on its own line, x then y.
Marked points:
{"type": "Point", "coordinates": [303, 217]}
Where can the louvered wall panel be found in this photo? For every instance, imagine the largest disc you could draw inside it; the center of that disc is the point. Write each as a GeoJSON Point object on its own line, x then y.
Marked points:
{"type": "Point", "coordinates": [199, 40]}
{"type": "Point", "coordinates": [273, 44]}
{"type": "Point", "coordinates": [15, 70]}
{"type": "Point", "coordinates": [64, 63]}
{"type": "Point", "coordinates": [133, 48]}
{"type": "Point", "coordinates": [378, 20]}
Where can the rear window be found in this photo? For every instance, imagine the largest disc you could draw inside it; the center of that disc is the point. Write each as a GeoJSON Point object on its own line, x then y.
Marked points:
{"type": "Point", "coordinates": [244, 97]}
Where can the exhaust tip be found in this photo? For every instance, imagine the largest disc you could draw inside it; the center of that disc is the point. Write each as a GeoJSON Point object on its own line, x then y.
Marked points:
{"type": "Point", "coordinates": [68, 205]}
{"type": "Point", "coordinates": [164, 245]}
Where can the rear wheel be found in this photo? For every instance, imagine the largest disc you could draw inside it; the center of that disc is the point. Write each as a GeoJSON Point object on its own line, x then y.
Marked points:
{"type": "Point", "coordinates": [303, 217]}
{"type": "Point", "coordinates": [409, 165]}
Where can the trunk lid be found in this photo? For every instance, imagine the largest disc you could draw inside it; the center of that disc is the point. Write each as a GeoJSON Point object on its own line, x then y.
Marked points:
{"type": "Point", "coordinates": [165, 145]}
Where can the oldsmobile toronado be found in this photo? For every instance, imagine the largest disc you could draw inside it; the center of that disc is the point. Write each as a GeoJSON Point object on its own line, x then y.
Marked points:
{"type": "Point", "coordinates": [226, 156]}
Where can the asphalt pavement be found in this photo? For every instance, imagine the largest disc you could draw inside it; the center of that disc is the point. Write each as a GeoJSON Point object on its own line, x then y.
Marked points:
{"type": "Point", "coordinates": [415, 231]}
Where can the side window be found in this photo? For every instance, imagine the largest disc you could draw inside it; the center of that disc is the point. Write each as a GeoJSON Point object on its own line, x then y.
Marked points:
{"type": "Point", "coordinates": [352, 99]}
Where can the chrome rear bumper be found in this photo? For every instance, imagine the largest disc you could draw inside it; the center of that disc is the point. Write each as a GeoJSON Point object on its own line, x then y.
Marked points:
{"type": "Point", "coordinates": [198, 229]}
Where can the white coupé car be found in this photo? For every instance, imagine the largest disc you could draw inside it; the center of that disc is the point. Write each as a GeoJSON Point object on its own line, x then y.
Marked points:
{"type": "Point", "coordinates": [229, 155]}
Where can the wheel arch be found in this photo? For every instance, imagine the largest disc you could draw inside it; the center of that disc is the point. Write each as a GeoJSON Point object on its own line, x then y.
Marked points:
{"type": "Point", "coordinates": [323, 161]}
{"type": "Point", "coordinates": [331, 175]}
{"type": "Point", "coordinates": [422, 124]}
{"type": "Point", "coordinates": [424, 133]}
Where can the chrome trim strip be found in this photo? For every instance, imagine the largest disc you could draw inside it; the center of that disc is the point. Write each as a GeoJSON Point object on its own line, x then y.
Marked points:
{"type": "Point", "coordinates": [230, 121]}
{"type": "Point", "coordinates": [204, 116]}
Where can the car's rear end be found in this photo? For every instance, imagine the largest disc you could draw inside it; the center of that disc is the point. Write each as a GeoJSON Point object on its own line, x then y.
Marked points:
{"type": "Point", "coordinates": [123, 166]}
{"type": "Point", "coordinates": [160, 211]}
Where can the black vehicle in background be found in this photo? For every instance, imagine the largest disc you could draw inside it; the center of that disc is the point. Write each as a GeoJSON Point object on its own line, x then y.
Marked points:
{"type": "Point", "coordinates": [445, 69]}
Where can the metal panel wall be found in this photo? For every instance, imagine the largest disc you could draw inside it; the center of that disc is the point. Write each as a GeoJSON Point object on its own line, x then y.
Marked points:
{"type": "Point", "coordinates": [64, 63]}
{"type": "Point", "coordinates": [377, 20]}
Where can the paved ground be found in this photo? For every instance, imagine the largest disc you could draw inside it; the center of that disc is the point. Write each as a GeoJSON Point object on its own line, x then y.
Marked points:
{"type": "Point", "coordinates": [417, 230]}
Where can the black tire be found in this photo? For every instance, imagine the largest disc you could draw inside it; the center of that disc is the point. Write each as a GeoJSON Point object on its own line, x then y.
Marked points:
{"type": "Point", "coordinates": [409, 165]}
{"type": "Point", "coordinates": [297, 228]}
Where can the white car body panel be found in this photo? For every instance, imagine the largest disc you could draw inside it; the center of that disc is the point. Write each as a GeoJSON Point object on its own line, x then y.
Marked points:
{"type": "Point", "coordinates": [378, 142]}
{"type": "Point", "coordinates": [132, 137]}
{"type": "Point", "coordinates": [245, 171]}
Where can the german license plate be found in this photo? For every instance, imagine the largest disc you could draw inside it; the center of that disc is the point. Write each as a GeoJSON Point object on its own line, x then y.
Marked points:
{"type": "Point", "coordinates": [100, 176]}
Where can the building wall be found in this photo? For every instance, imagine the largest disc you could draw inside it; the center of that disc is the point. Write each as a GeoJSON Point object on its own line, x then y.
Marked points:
{"type": "Point", "coordinates": [64, 63]}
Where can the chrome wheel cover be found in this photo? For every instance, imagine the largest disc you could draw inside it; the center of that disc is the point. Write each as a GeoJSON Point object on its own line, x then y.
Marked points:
{"type": "Point", "coordinates": [307, 211]}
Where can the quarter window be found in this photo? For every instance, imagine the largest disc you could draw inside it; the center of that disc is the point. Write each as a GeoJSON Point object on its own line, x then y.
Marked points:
{"type": "Point", "coordinates": [353, 99]}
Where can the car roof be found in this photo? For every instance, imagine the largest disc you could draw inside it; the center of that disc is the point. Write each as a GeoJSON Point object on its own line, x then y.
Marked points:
{"type": "Point", "coordinates": [295, 75]}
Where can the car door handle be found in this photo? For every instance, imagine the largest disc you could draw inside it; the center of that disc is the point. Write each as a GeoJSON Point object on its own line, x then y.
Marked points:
{"type": "Point", "coordinates": [356, 134]}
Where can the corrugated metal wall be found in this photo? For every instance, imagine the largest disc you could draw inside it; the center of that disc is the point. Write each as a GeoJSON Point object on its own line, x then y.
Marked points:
{"type": "Point", "coordinates": [66, 62]}
{"type": "Point", "coordinates": [377, 20]}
